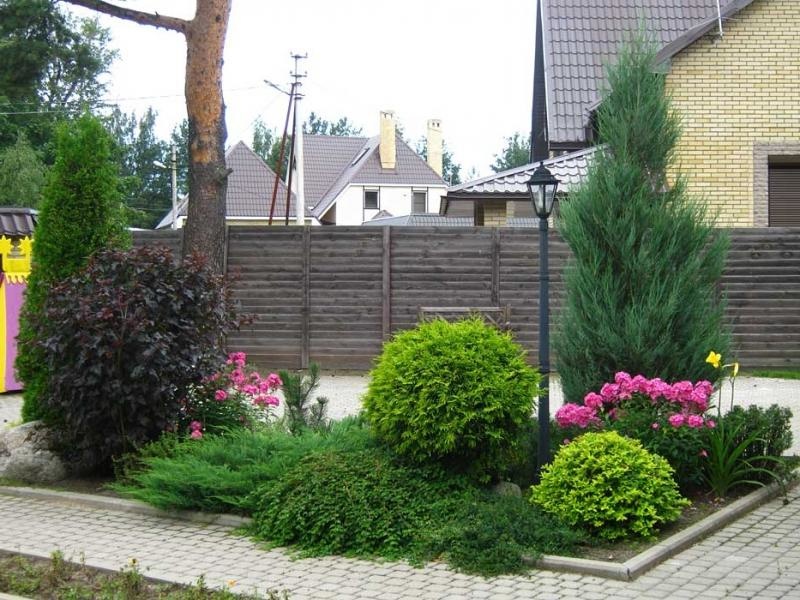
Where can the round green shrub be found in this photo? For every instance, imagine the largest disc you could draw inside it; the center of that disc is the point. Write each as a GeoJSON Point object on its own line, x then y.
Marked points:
{"type": "Point", "coordinates": [459, 393]}
{"type": "Point", "coordinates": [610, 486]}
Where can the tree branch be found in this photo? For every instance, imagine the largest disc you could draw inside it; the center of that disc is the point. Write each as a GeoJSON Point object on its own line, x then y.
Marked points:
{"type": "Point", "coordinates": [143, 18]}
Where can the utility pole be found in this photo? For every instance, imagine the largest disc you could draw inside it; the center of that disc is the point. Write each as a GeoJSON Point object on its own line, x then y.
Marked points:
{"type": "Point", "coordinates": [296, 148]}
{"type": "Point", "coordinates": [297, 142]}
{"type": "Point", "coordinates": [174, 166]}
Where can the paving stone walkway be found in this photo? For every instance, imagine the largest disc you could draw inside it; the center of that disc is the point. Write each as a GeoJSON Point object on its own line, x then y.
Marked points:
{"type": "Point", "coordinates": [756, 557]}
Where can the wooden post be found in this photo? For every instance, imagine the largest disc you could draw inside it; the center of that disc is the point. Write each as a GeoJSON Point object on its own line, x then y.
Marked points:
{"type": "Point", "coordinates": [305, 324]}
{"type": "Point", "coordinates": [386, 285]}
{"type": "Point", "coordinates": [495, 266]}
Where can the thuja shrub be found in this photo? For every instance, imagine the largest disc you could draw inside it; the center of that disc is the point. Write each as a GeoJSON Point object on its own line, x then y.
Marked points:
{"type": "Point", "coordinates": [458, 393]}
{"type": "Point", "coordinates": [610, 486]}
{"type": "Point", "coordinates": [80, 214]}
{"type": "Point", "coordinates": [122, 341]}
{"type": "Point", "coordinates": [641, 289]}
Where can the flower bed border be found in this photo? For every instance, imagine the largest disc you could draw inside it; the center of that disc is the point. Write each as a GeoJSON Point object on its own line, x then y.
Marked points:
{"type": "Point", "coordinates": [646, 560]}
{"type": "Point", "coordinates": [626, 571]}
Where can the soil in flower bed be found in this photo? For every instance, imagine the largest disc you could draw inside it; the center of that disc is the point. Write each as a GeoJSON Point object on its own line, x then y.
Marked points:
{"type": "Point", "coordinates": [57, 578]}
{"type": "Point", "coordinates": [702, 506]}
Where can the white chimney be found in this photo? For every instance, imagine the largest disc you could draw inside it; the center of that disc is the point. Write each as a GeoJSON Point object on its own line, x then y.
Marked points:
{"type": "Point", "coordinates": [387, 150]}
{"type": "Point", "coordinates": [435, 147]}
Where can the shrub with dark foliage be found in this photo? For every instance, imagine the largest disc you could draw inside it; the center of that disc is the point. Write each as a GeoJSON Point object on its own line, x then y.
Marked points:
{"type": "Point", "coordinates": [122, 341]}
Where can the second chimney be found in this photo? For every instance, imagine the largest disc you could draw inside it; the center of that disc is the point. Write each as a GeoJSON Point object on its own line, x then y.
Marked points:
{"type": "Point", "coordinates": [387, 149]}
{"type": "Point", "coordinates": [435, 147]}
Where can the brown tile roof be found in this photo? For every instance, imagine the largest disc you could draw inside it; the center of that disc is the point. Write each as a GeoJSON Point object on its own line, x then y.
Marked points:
{"type": "Point", "coordinates": [358, 162]}
{"type": "Point", "coordinates": [581, 36]}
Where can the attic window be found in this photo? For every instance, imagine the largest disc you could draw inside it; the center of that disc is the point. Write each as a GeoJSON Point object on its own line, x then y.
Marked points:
{"type": "Point", "coordinates": [371, 200]}
{"type": "Point", "coordinates": [419, 203]}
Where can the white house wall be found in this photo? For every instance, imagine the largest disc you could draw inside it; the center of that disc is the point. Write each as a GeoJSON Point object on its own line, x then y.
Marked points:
{"type": "Point", "coordinates": [394, 199]}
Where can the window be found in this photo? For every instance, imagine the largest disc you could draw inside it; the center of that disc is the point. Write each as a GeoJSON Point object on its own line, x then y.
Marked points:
{"type": "Point", "coordinates": [419, 204]}
{"type": "Point", "coordinates": [371, 199]}
{"type": "Point", "coordinates": [784, 194]}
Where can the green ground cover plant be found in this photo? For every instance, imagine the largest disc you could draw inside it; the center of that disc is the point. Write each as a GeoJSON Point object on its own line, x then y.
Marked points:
{"type": "Point", "coordinates": [455, 393]}
{"type": "Point", "coordinates": [65, 580]}
{"type": "Point", "coordinates": [218, 473]}
{"type": "Point", "coordinates": [610, 486]}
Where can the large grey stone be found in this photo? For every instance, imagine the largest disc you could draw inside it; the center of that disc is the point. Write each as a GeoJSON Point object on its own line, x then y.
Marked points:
{"type": "Point", "coordinates": [25, 454]}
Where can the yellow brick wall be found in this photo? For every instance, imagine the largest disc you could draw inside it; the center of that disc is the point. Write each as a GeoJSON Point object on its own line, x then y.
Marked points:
{"type": "Point", "coordinates": [494, 213]}
{"type": "Point", "coordinates": [735, 95]}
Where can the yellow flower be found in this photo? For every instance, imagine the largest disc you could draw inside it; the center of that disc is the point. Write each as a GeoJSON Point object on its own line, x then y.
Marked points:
{"type": "Point", "coordinates": [714, 359]}
{"type": "Point", "coordinates": [231, 582]}
{"type": "Point", "coordinates": [735, 369]}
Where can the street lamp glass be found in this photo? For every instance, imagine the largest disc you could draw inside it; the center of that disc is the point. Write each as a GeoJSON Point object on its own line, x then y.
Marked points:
{"type": "Point", "coordinates": [542, 187]}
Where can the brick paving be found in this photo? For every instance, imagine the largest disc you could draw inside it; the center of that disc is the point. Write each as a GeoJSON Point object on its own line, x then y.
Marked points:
{"type": "Point", "coordinates": [755, 557]}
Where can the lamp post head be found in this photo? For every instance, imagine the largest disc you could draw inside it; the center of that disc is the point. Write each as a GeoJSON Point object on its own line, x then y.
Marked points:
{"type": "Point", "coordinates": [542, 187]}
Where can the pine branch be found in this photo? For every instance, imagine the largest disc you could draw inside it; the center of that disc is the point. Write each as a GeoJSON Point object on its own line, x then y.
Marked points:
{"type": "Point", "coordinates": [143, 18]}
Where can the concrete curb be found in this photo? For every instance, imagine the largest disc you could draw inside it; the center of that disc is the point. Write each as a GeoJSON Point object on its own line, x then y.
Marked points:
{"type": "Point", "coordinates": [10, 597]}
{"type": "Point", "coordinates": [627, 571]}
{"type": "Point", "coordinates": [644, 561]}
{"type": "Point", "coordinates": [126, 506]}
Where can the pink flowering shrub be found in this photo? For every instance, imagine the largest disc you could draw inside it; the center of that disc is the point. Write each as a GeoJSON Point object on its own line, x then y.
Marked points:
{"type": "Point", "coordinates": [235, 396]}
{"type": "Point", "coordinates": [669, 419]}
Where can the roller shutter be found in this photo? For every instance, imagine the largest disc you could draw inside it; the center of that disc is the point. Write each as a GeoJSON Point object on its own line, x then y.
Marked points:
{"type": "Point", "coordinates": [784, 196]}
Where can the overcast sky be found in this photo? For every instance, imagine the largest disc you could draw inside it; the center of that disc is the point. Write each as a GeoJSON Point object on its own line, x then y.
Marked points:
{"type": "Point", "coordinates": [466, 62]}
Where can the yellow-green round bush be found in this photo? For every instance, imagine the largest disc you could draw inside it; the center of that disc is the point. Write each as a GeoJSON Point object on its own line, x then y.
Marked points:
{"type": "Point", "coordinates": [455, 393]}
{"type": "Point", "coordinates": [610, 486]}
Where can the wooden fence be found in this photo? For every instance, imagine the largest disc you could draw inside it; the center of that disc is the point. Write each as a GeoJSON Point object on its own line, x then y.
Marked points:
{"type": "Point", "coordinates": [333, 294]}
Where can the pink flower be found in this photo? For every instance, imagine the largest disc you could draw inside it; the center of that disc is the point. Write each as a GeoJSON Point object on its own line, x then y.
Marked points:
{"type": "Point", "coordinates": [683, 390]}
{"type": "Point", "coordinates": [654, 426]}
{"type": "Point", "coordinates": [565, 441]}
{"type": "Point", "coordinates": [593, 401]}
{"type": "Point", "coordinates": [710, 423]}
{"type": "Point", "coordinates": [676, 420]}
{"type": "Point", "coordinates": [195, 425]}
{"type": "Point", "coordinates": [656, 388]}
{"type": "Point", "coordinates": [703, 453]}
{"type": "Point", "coordinates": [694, 421]}
{"type": "Point", "coordinates": [609, 392]}
{"type": "Point", "coordinates": [236, 358]}
{"type": "Point", "coordinates": [274, 380]}
{"type": "Point", "coordinates": [639, 384]}
{"type": "Point", "coordinates": [574, 414]}
{"type": "Point", "coordinates": [264, 400]}
{"type": "Point", "coordinates": [196, 434]}
{"type": "Point", "coordinates": [220, 395]}
{"type": "Point", "coordinates": [623, 380]}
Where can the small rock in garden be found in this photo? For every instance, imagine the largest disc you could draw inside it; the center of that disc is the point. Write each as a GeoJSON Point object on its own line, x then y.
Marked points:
{"type": "Point", "coordinates": [507, 488]}
{"type": "Point", "coordinates": [25, 454]}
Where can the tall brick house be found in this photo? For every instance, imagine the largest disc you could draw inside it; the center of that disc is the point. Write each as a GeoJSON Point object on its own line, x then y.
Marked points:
{"type": "Point", "coordinates": [734, 76]}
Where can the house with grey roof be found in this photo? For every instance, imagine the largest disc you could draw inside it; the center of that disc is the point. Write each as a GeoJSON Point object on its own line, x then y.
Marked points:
{"type": "Point", "coordinates": [351, 180]}
{"type": "Point", "coordinates": [249, 195]}
{"type": "Point", "coordinates": [730, 68]}
{"type": "Point", "coordinates": [347, 180]}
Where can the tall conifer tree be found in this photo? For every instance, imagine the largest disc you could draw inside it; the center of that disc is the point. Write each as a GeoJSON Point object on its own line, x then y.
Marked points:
{"type": "Point", "coordinates": [642, 288]}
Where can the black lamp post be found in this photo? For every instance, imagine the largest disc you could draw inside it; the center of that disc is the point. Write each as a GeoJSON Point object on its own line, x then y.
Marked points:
{"type": "Point", "coordinates": [542, 187]}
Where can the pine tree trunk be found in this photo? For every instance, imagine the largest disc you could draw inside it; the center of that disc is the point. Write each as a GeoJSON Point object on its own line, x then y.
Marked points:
{"type": "Point", "coordinates": [205, 41]}
{"type": "Point", "coordinates": [205, 106]}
